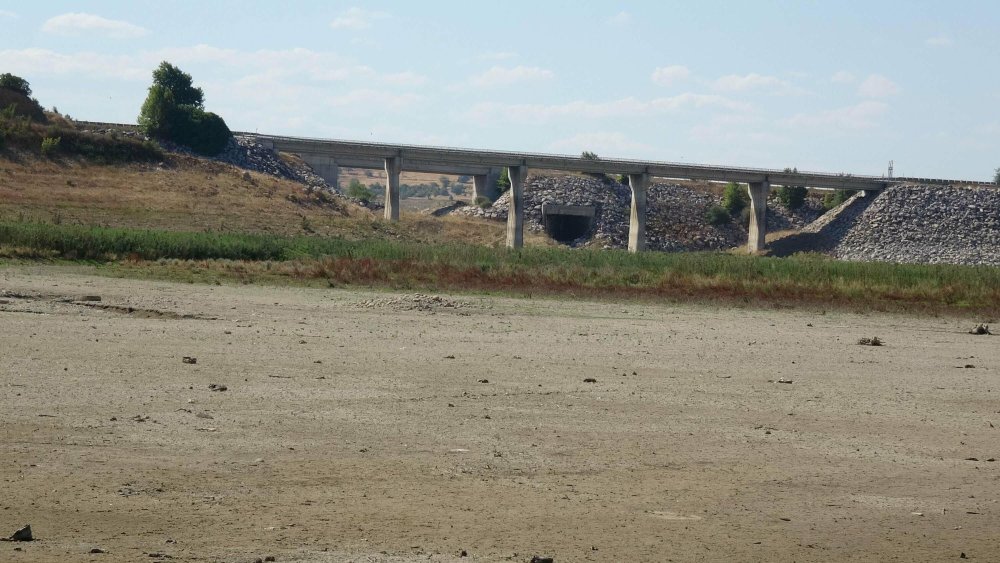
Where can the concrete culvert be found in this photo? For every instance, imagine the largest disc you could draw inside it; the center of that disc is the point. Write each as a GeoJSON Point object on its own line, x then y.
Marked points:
{"type": "Point", "coordinates": [567, 223]}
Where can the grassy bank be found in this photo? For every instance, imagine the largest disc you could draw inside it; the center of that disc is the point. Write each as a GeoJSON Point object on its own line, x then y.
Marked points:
{"type": "Point", "coordinates": [245, 257]}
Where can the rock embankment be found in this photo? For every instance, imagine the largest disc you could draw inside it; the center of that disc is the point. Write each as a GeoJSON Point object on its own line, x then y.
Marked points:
{"type": "Point", "coordinates": [928, 225]}
{"type": "Point", "coordinates": [676, 215]}
{"type": "Point", "coordinates": [247, 153]}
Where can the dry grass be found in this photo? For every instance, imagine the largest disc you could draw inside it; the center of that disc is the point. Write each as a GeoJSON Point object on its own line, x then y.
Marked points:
{"type": "Point", "coordinates": [192, 194]}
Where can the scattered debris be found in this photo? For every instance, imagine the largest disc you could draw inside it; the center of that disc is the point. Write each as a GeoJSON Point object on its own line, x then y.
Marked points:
{"type": "Point", "coordinates": [873, 341]}
{"type": "Point", "coordinates": [787, 381]}
{"type": "Point", "coordinates": [189, 360]}
{"type": "Point", "coordinates": [540, 559]}
{"type": "Point", "coordinates": [97, 550]}
{"type": "Point", "coordinates": [217, 387]}
{"type": "Point", "coordinates": [981, 328]}
{"type": "Point", "coordinates": [140, 418]}
{"type": "Point", "coordinates": [414, 302]}
{"type": "Point", "coordinates": [589, 380]}
{"type": "Point", "coordinates": [972, 459]}
{"type": "Point", "coordinates": [450, 357]}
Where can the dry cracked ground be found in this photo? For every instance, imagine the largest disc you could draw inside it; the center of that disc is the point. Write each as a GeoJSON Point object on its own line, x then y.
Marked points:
{"type": "Point", "coordinates": [369, 426]}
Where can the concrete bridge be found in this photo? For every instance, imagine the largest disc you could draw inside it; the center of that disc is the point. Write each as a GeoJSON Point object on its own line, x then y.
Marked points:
{"type": "Point", "coordinates": [326, 156]}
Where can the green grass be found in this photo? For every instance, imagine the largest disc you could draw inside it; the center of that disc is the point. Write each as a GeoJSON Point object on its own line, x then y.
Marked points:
{"type": "Point", "coordinates": [796, 280]}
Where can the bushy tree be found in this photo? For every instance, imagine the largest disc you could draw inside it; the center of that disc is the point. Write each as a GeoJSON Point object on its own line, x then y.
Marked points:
{"type": "Point", "coordinates": [15, 91]}
{"type": "Point", "coordinates": [179, 84]}
{"type": "Point", "coordinates": [792, 197]}
{"type": "Point", "coordinates": [15, 83]}
{"type": "Point", "coordinates": [174, 111]}
{"type": "Point", "coordinates": [735, 198]}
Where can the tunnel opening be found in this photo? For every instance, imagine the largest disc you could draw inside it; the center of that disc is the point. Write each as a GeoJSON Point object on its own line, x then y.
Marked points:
{"type": "Point", "coordinates": [568, 223]}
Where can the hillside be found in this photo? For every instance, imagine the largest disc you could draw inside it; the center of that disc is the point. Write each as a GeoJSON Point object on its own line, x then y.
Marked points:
{"type": "Point", "coordinates": [188, 193]}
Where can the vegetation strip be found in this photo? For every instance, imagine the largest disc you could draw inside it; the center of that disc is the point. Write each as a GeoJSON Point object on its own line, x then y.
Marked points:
{"type": "Point", "coordinates": [804, 278]}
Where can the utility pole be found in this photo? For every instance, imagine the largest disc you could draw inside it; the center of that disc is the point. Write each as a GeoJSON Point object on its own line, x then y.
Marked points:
{"type": "Point", "coordinates": [890, 169]}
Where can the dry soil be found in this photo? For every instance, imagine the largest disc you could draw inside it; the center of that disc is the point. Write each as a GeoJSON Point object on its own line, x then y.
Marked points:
{"type": "Point", "coordinates": [368, 426]}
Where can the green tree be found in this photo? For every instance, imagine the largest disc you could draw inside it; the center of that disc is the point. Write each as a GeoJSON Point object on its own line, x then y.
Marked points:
{"type": "Point", "coordinates": [503, 181]}
{"type": "Point", "coordinates": [996, 176]}
{"type": "Point", "coordinates": [178, 83]}
{"type": "Point", "coordinates": [174, 111]}
{"type": "Point", "coordinates": [792, 197]}
{"type": "Point", "coordinates": [15, 83]}
{"type": "Point", "coordinates": [735, 198]}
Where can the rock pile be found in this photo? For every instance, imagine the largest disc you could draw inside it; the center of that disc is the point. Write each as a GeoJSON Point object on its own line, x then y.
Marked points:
{"type": "Point", "coordinates": [927, 224]}
{"type": "Point", "coordinates": [676, 214]}
{"type": "Point", "coordinates": [245, 152]}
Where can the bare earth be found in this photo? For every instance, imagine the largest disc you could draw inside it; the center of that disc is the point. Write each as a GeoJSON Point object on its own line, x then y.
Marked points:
{"type": "Point", "coordinates": [355, 427]}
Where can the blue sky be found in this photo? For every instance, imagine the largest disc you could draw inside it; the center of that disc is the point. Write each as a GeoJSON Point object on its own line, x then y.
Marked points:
{"type": "Point", "coordinates": [835, 86]}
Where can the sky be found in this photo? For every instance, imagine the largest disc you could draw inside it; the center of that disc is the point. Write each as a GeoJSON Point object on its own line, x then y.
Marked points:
{"type": "Point", "coordinates": [829, 86]}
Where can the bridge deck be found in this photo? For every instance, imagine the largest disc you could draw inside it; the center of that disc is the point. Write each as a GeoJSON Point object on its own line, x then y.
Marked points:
{"type": "Point", "coordinates": [450, 160]}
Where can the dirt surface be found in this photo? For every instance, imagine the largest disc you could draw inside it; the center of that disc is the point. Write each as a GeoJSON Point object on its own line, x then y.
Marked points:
{"type": "Point", "coordinates": [366, 426]}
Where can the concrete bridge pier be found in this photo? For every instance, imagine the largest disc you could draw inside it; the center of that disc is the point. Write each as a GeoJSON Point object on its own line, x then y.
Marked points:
{"type": "Point", "coordinates": [758, 215]}
{"type": "Point", "coordinates": [393, 166]}
{"type": "Point", "coordinates": [325, 167]}
{"type": "Point", "coordinates": [485, 185]}
{"type": "Point", "coordinates": [637, 225]}
{"type": "Point", "coordinates": [515, 212]}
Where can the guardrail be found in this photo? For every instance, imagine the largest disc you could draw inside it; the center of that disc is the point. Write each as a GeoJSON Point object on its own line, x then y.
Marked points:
{"type": "Point", "coordinates": [576, 163]}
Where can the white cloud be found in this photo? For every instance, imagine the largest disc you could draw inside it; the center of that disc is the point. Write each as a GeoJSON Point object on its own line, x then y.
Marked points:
{"type": "Point", "coordinates": [666, 75]}
{"type": "Point", "coordinates": [407, 78]}
{"type": "Point", "coordinates": [503, 76]}
{"type": "Point", "coordinates": [621, 19]}
{"type": "Point", "coordinates": [89, 24]}
{"type": "Point", "coordinates": [625, 107]}
{"type": "Point", "coordinates": [859, 116]}
{"type": "Point", "coordinates": [301, 64]}
{"type": "Point", "coordinates": [497, 56]}
{"type": "Point", "coordinates": [877, 86]}
{"type": "Point", "coordinates": [753, 81]}
{"type": "Point", "coordinates": [356, 19]}
{"type": "Point", "coordinates": [938, 41]}
{"type": "Point", "coordinates": [43, 61]}
{"type": "Point", "coordinates": [605, 144]}
{"type": "Point", "coordinates": [7, 15]}
{"type": "Point", "coordinates": [842, 77]}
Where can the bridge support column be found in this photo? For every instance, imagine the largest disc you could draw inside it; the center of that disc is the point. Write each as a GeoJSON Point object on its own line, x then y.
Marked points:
{"type": "Point", "coordinates": [325, 167]}
{"type": "Point", "coordinates": [485, 185]}
{"type": "Point", "coordinates": [515, 212]}
{"type": "Point", "coordinates": [393, 166]}
{"type": "Point", "coordinates": [758, 216]}
{"type": "Point", "coordinates": [637, 226]}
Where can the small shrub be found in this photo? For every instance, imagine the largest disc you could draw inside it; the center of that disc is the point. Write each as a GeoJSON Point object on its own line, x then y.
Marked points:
{"type": "Point", "coordinates": [717, 215]}
{"type": "Point", "coordinates": [735, 198]}
{"type": "Point", "coordinates": [50, 145]}
{"type": "Point", "coordinates": [483, 202]}
{"type": "Point", "coordinates": [357, 190]}
{"type": "Point", "coordinates": [834, 199]}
